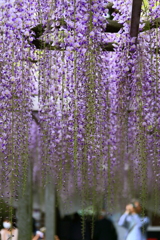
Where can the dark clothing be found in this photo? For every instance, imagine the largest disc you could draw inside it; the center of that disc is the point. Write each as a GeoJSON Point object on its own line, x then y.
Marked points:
{"type": "Point", "coordinates": [64, 228]}
{"type": "Point", "coordinates": [34, 229]}
{"type": "Point", "coordinates": [76, 229]}
{"type": "Point", "coordinates": [104, 230]}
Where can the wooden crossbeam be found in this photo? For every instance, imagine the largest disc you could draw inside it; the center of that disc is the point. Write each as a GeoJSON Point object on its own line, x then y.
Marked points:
{"type": "Point", "coordinates": [35, 117]}
{"type": "Point", "coordinates": [111, 26]}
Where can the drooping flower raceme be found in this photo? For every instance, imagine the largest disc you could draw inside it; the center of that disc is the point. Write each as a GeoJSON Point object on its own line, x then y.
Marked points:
{"type": "Point", "coordinates": [98, 110]}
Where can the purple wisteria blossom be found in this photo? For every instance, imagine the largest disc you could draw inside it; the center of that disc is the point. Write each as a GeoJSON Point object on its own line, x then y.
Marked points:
{"type": "Point", "coordinates": [98, 122]}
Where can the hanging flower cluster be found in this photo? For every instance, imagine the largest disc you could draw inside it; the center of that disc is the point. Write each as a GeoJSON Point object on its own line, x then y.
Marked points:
{"type": "Point", "coordinates": [16, 91]}
{"type": "Point", "coordinates": [98, 110]}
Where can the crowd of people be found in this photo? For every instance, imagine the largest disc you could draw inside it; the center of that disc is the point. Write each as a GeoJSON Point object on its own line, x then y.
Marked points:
{"type": "Point", "coordinates": [104, 228]}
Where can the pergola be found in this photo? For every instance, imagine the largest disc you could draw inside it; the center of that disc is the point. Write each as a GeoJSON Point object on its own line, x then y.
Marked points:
{"type": "Point", "coordinates": [112, 26]}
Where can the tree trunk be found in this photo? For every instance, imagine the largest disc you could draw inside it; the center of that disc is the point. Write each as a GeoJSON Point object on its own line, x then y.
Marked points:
{"type": "Point", "coordinates": [50, 211]}
{"type": "Point", "coordinates": [24, 210]}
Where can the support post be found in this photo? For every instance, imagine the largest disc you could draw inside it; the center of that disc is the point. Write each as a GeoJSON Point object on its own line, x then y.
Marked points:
{"type": "Point", "coordinates": [24, 209]}
{"type": "Point", "coordinates": [50, 211]}
{"type": "Point", "coordinates": [135, 19]}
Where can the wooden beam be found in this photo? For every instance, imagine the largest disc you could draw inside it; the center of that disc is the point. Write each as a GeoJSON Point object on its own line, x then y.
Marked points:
{"type": "Point", "coordinates": [113, 26]}
{"type": "Point", "coordinates": [35, 117]}
{"type": "Point", "coordinates": [108, 46]}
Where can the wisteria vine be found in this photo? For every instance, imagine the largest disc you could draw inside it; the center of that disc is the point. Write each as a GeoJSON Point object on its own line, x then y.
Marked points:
{"type": "Point", "coordinates": [98, 125]}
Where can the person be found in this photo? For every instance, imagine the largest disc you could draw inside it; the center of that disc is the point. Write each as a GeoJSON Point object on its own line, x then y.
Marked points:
{"type": "Point", "coordinates": [63, 228]}
{"type": "Point", "coordinates": [76, 229]}
{"type": "Point", "coordinates": [34, 228]}
{"type": "Point", "coordinates": [38, 235]}
{"type": "Point", "coordinates": [8, 232]}
{"type": "Point", "coordinates": [136, 226]}
{"type": "Point", "coordinates": [104, 228]}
